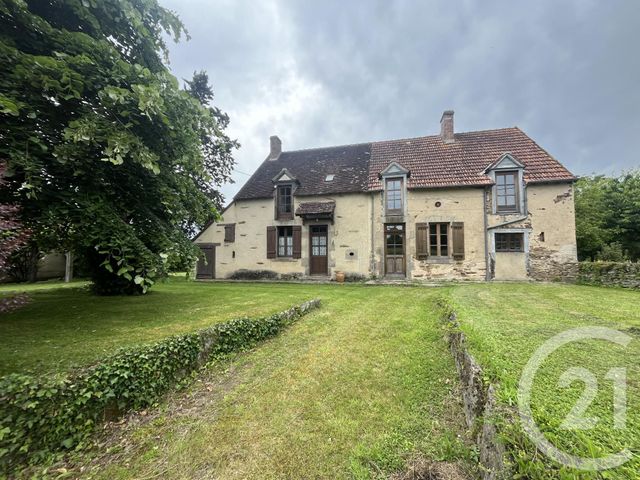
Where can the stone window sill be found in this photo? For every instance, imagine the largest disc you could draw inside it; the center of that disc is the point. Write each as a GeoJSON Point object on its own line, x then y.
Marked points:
{"type": "Point", "coordinates": [285, 259]}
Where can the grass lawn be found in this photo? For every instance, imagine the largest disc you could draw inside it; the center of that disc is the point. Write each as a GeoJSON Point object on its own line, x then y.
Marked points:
{"type": "Point", "coordinates": [506, 323]}
{"type": "Point", "coordinates": [352, 390]}
{"type": "Point", "coordinates": [67, 327]}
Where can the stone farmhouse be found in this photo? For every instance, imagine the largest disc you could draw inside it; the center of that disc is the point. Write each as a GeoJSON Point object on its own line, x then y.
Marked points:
{"type": "Point", "coordinates": [481, 205]}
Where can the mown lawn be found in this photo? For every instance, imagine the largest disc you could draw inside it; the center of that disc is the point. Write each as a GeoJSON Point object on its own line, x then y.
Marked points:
{"type": "Point", "coordinates": [506, 323]}
{"type": "Point", "coordinates": [67, 326]}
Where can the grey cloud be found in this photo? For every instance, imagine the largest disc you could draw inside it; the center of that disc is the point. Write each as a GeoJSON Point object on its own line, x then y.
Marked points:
{"type": "Point", "coordinates": [336, 72]}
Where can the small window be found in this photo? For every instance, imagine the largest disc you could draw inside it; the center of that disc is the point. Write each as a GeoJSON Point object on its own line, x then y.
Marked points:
{"type": "Point", "coordinates": [509, 242]}
{"type": "Point", "coordinates": [507, 191]}
{"type": "Point", "coordinates": [285, 241]}
{"type": "Point", "coordinates": [230, 233]}
{"type": "Point", "coordinates": [393, 187]}
{"type": "Point", "coordinates": [284, 199]}
{"type": "Point", "coordinates": [329, 178]}
{"type": "Point", "coordinates": [439, 239]}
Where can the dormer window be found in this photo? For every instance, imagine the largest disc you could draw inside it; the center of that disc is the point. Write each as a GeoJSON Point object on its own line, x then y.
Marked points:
{"type": "Point", "coordinates": [284, 199]}
{"type": "Point", "coordinates": [393, 188]}
{"type": "Point", "coordinates": [507, 191]}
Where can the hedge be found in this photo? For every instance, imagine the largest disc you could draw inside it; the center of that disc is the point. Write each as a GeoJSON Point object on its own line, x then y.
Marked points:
{"type": "Point", "coordinates": [621, 274]}
{"type": "Point", "coordinates": [40, 415]}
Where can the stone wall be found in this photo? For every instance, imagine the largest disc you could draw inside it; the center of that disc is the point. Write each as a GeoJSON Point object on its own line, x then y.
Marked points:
{"type": "Point", "coordinates": [623, 274]}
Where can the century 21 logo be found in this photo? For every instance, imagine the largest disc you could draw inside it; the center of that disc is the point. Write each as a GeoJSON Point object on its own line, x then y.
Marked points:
{"type": "Point", "coordinates": [576, 419]}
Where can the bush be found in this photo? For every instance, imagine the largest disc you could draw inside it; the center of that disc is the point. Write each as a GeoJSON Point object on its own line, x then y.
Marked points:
{"type": "Point", "coordinates": [245, 274]}
{"type": "Point", "coordinates": [42, 415]}
{"type": "Point", "coordinates": [354, 277]}
{"type": "Point", "coordinates": [612, 252]}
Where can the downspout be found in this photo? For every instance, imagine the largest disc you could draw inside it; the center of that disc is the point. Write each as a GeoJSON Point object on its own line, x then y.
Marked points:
{"type": "Point", "coordinates": [487, 275]}
{"type": "Point", "coordinates": [372, 253]}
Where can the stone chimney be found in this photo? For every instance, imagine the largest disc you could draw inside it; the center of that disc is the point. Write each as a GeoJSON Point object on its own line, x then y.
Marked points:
{"type": "Point", "coordinates": [276, 147]}
{"type": "Point", "coordinates": [446, 127]}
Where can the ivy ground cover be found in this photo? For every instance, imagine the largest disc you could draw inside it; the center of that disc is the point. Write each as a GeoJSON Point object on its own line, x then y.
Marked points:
{"type": "Point", "coordinates": [506, 323]}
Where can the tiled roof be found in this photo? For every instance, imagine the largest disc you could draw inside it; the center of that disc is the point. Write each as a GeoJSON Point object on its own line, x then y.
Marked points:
{"type": "Point", "coordinates": [349, 165]}
{"type": "Point", "coordinates": [431, 162]}
{"type": "Point", "coordinates": [434, 164]}
{"type": "Point", "coordinates": [315, 208]}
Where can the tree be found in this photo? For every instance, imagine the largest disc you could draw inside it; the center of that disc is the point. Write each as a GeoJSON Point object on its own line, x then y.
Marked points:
{"type": "Point", "coordinates": [13, 236]}
{"type": "Point", "coordinates": [108, 156]}
{"type": "Point", "coordinates": [608, 216]}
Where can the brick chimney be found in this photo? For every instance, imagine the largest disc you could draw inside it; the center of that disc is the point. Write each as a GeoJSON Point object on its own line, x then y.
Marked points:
{"type": "Point", "coordinates": [446, 127]}
{"type": "Point", "coordinates": [276, 147]}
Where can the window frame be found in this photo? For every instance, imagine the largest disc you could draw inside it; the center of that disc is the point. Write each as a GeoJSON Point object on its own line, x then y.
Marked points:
{"type": "Point", "coordinates": [508, 243]}
{"type": "Point", "coordinates": [281, 232]}
{"type": "Point", "coordinates": [510, 208]}
{"type": "Point", "coordinates": [281, 214]}
{"type": "Point", "coordinates": [400, 192]}
{"type": "Point", "coordinates": [439, 235]}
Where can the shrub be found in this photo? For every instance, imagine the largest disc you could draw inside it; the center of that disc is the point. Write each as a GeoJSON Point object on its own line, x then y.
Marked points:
{"type": "Point", "coordinates": [291, 276]}
{"type": "Point", "coordinates": [354, 277]}
{"type": "Point", "coordinates": [42, 415]}
{"type": "Point", "coordinates": [245, 274]}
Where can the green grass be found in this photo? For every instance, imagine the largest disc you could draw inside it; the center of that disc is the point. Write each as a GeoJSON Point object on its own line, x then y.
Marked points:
{"type": "Point", "coordinates": [68, 327]}
{"type": "Point", "coordinates": [506, 323]}
{"type": "Point", "coordinates": [352, 390]}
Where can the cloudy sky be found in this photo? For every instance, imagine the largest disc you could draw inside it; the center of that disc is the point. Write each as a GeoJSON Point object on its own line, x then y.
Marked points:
{"type": "Point", "coordinates": [333, 72]}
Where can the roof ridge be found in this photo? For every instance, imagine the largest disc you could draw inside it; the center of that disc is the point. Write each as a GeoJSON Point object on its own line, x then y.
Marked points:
{"type": "Point", "coordinates": [325, 148]}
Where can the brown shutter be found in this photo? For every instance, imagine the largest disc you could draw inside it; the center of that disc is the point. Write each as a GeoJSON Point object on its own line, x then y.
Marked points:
{"type": "Point", "coordinates": [272, 237]}
{"type": "Point", "coordinates": [422, 235]}
{"type": "Point", "coordinates": [230, 232]}
{"type": "Point", "coordinates": [297, 241]}
{"type": "Point", "coordinates": [457, 232]}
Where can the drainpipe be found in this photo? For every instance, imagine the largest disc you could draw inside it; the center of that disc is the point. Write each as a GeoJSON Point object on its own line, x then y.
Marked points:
{"type": "Point", "coordinates": [487, 275]}
{"type": "Point", "coordinates": [372, 253]}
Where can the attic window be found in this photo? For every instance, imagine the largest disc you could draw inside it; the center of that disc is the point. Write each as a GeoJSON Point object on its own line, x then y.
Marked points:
{"type": "Point", "coordinates": [329, 178]}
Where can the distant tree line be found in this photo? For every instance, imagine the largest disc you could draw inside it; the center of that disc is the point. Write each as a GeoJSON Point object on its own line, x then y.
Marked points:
{"type": "Point", "coordinates": [608, 217]}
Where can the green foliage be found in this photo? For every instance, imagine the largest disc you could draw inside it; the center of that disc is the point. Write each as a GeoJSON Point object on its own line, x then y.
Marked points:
{"type": "Point", "coordinates": [41, 415]}
{"type": "Point", "coordinates": [607, 212]}
{"type": "Point", "coordinates": [612, 252]}
{"type": "Point", "coordinates": [620, 274]}
{"type": "Point", "coordinates": [107, 155]}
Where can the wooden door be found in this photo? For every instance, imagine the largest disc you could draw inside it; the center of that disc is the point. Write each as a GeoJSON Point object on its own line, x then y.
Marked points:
{"type": "Point", "coordinates": [394, 249]}
{"type": "Point", "coordinates": [318, 240]}
{"type": "Point", "coordinates": [206, 267]}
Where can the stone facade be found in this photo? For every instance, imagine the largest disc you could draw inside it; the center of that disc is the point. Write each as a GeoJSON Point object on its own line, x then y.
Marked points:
{"type": "Point", "coordinates": [356, 235]}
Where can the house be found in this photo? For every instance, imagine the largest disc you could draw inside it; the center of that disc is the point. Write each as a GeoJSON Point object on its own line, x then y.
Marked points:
{"type": "Point", "coordinates": [481, 205]}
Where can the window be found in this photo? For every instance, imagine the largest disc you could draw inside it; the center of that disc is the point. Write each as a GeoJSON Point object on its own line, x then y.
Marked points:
{"type": "Point", "coordinates": [329, 178]}
{"type": "Point", "coordinates": [285, 241]}
{"type": "Point", "coordinates": [507, 191]}
{"type": "Point", "coordinates": [439, 239]}
{"type": "Point", "coordinates": [284, 207]}
{"type": "Point", "coordinates": [230, 232]}
{"type": "Point", "coordinates": [509, 242]}
{"type": "Point", "coordinates": [394, 195]}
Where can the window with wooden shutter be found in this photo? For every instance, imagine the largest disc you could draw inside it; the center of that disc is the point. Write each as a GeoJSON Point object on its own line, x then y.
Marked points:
{"type": "Point", "coordinates": [422, 241]}
{"type": "Point", "coordinates": [457, 234]}
{"type": "Point", "coordinates": [297, 241]}
{"type": "Point", "coordinates": [271, 242]}
{"type": "Point", "coordinates": [230, 232]}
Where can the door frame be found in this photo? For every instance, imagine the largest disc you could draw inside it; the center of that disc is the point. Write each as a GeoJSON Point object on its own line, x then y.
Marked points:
{"type": "Point", "coordinates": [212, 246]}
{"type": "Point", "coordinates": [404, 250]}
{"type": "Point", "coordinates": [326, 272]}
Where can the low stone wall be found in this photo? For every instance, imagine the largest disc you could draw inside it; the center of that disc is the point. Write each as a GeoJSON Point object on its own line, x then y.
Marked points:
{"type": "Point", "coordinates": [614, 274]}
{"type": "Point", "coordinates": [479, 402]}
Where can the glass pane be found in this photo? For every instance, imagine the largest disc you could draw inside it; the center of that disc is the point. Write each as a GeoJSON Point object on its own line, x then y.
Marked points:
{"type": "Point", "coordinates": [323, 251]}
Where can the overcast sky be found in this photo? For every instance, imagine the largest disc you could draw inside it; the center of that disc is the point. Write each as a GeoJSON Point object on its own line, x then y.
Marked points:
{"type": "Point", "coordinates": [336, 72]}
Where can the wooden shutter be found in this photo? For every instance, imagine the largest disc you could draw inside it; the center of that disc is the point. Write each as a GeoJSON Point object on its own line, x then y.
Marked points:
{"type": "Point", "coordinates": [457, 234]}
{"type": "Point", "coordinates": [297, 241]}
{"type": "Point", "coordinates": [422, 238]}
{"type": "Point", "coordinates": [272, 240]}
{"type": "Point", "coordinates": [230, 232]}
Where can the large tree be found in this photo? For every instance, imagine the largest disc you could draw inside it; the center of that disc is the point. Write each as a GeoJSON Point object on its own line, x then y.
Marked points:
{"type": "Point", "coordinates": [105, 151]}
